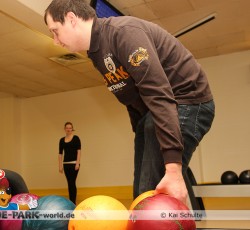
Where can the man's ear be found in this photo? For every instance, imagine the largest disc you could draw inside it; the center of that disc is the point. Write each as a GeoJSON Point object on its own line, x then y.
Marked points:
{"type": "Point", "coordinates": [71, 17]}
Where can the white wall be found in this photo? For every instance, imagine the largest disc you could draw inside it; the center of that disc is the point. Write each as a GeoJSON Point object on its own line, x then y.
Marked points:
{"type": "Point", "coordinates": [101, 123]}
{"type": "Point", "coordinates": [10, 133]}
{"type": "Point", "coordinates": [226, 147]}
{"type": "Point", "coordinates": [31, 129]}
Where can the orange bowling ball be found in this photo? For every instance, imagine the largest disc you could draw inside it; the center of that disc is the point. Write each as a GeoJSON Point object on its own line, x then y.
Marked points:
{"type": "Point", "coordinates": [99, 212]}
{"type": "Point", "coordinates": [141, 197]}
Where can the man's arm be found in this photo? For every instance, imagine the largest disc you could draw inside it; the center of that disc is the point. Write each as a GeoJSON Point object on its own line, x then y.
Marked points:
{"type": "Point", "coordinates": [173, 183]}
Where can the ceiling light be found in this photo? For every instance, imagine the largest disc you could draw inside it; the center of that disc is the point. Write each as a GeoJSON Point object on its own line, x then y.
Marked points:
{"type": "Point", "coordinates": [195, 25]}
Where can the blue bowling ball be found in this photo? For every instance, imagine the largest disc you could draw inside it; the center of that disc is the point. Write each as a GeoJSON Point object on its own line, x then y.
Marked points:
{"type": "Point", "coordinates": [56, 208]}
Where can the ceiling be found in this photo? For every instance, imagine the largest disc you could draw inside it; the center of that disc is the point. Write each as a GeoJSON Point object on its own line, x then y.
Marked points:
{"type": "Point", "coordinates": [27, 51]}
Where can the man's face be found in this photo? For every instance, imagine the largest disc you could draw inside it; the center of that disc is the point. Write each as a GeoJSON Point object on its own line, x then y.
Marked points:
{"type": "Point", "coordinates": [63, 34]}
{"type": "Point", "coordinates": [4, 198]}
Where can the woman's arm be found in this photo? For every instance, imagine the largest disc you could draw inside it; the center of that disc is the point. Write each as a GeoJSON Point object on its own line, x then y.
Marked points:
{"type": "Point", "coordinates": [60, 162]}
{"type": "Point", "coordinates": [78, 159]}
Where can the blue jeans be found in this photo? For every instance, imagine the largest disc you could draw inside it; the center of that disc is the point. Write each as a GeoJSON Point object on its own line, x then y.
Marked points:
{"type": "Point", "coordinates": [195, 122]}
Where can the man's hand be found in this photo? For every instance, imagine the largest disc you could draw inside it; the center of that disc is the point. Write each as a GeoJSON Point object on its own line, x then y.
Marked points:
{"type": "Point", "coordinates": [173, 183]}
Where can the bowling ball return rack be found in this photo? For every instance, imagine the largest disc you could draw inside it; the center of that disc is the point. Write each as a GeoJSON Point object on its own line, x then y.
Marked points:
{"type": "Point", "coordinates": [198, 191]}
{"type": "Point", "coordinates": [213, 190]}
{"type": "Point", "coordinates": [222, 229]}
{"type": "Point", "coordinates": [221, 190]}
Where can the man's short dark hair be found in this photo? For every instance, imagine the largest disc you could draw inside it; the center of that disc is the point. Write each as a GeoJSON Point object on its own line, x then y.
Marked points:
{"type": "Point", "coordinates": [58, 9]}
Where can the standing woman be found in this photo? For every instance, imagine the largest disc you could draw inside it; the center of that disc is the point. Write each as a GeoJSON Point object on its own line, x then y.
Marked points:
{"type": "Point", "coordinates": [70, 145]}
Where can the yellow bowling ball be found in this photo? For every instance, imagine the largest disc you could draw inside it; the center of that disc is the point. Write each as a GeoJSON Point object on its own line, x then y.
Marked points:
{"type": "Point", "coordinates": [99, 212]}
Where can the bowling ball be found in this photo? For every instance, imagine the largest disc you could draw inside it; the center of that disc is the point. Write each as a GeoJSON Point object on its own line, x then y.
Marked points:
{"type": "Point", "coordinates": [16, 181]}
{"type": "Point", "coordinates": [98, 213]}
{"type": "Point", "coordinates": [161, 212]}
{"type": "Point", "coordinates": [11, 224]}
{"type": "Point", "coordinates": [57, 210]}
{"type": "Point", "coordinates": [229, 177]}
{"type": "Point", "coordinates": [244, 177]}
{"type": "Point", "coordinates": [20, 199]}
{"type": "Point", "coordinates": [141, 197]}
